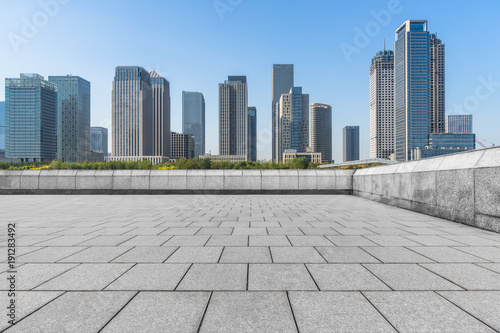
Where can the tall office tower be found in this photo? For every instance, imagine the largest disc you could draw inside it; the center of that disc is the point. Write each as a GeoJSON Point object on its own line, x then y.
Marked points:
{"type": "Point", "coordinates": [132, 118]}
{"type": "Point", "coordinates": [321, 131]}
{"type": "Point", "coordinates": [459, 123]}
{"type": "Point", "coordinates": [30, 118]}
{"type": "Point", "coordinates": [182, 145]}
{"type": "Point", "coordinates": [382, 104]}
{"type": "Point", "coordinates": [233, 116]}
{"type": "Point", "coordinates": [2, 129]}
{"type": "Point", "coordinates": [412, 95]}
{"type": "Point", "coordinates": [193, 119]}
{"type": "Point", "coordinates": [351, 143]}
{"type": "Point", "coordinates": [161, 114]}
{"type": "Point", "coordinates": [99, 140]}
{"type": "Point", "coordinates": [437, 85]}
{"type": "Point", "coordinates": [293, 122]}
{"type": "Point", "coordinates": [282, 83]}
{"type": "Point", "coordinates": [252, 133]}
{"type": "Point", "coordinates": [73, 118]}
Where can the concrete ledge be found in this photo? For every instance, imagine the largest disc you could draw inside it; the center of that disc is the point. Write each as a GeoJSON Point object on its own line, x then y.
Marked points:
{"type": "Point", "coordinates": [462, 187]}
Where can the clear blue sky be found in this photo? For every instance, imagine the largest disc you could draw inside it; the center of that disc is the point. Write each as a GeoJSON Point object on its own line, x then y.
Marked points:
{"type": "Point", "coordinates": [196, 47]}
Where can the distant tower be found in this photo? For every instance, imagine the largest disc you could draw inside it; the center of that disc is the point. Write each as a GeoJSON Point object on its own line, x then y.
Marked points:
{"type": "Point", "coordinates": [99, 140]}
{"type": "Point", "coordinates": [293, 125]}
{"type": "Point", "coordinates": [252, 133]}
{"type": "Point", "coordinates": [73, 118]}
{"type": "Point", "coordinates": [30, 118]}
{"type": "Point", "coordinates": [437, 85]}
{"type": "Point", "coordinates": [321, 131]}
{"type": "Point", "coordinates": [193, 119]}
{"type": "Point", "coordinates": [233, 116]}
{"type": "Point", "coordinates": [160, 88]}
{"type": "Point", "coordinates": [351, 143]}
{"type": "Point", "coordinates": [382, 104]}
{"type": "Point", "coordinates": [459, 124]}
{"type": "Point", "coordinates": [2, 129]}
{"type": "Point", "coordinates": [282, 83]}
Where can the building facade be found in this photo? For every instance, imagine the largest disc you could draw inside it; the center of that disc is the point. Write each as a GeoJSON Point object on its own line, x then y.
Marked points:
{"type": "Point", "coordinates": [160, 89]}
{"type": "Point", "coordinates": [312, 157]}
{"type": "Point", "coordinates": [321, 131]}
{"type": "Point", "coordinates": [283, 81]}
{"type": "Point", "coordinates": [412, 94]}
{"type": "Point", "coordinates": [2, 129]}
{"type": "Point", "coordinates": [182, 145]}
{"type": "Point", "coordinates": [252, 133]}
{"type": "Point", "coordinates": [233, 116]}
{"type": "Point", "coordinates": [193, 119]}
{"type": "Point", "coordinates": [444, 144]}
{"type": "Point", "coordinates": [382, 105]}
{"type": "Point", "coordinates": [293, 124]}
{"type": "Point", "coordinates": [73, 118]}
{"type": "Point", "coordinates": [30, 118]}
{"type": "Point", "coordinates": [459, 123]}
{"type": "Point", "coordinates": [351, 143]}
{"type": "Point", "coordinates": [437, 85]}
{"type": "Point", "coordinates": [99, 140]}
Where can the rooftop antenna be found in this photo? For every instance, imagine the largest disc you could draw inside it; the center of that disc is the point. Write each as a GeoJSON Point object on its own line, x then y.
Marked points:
{"type": "Point", "coordinates": [384, 44]}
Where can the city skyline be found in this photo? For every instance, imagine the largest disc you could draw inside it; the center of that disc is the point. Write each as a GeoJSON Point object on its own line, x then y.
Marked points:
{"type": "Point", "coordinates": [327, 75]}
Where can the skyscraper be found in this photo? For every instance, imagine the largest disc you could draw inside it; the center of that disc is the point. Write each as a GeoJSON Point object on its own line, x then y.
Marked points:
{"type": "Point", "coordinates": [382, 105]}
{"type": "Point", "coordinates": [321, 131]}
{"type": "Point", "coordinates": [30, 118]}
{"type": "Point", "coordinates": [252, 133]}
{"type": "Point", "coordinates": [193, 119]}
{"type": "Point", "coordinates": [459, 123]}
{"type": "Point", "coordinates": [233, 116]}
{"type": "Point", "coordinates": [282, 83]}
{"type": "Point", "coordinates": [99, 140]}
{"type": "Point", "coordinates": [182, 145]}
{"type": "Point", "coordinates": [437, 85]}
{"type": "Point", "coordinates": [2, 129]}
{"type": "Point", "coordinates": [161, 114]}
{"type": "Point", "coordinates": [293, 124]}
{"type": "Point", "coordinates": [351, 143]}
{"type": "Point", "coordinates": [73, 118]}
{"type": "Point", "coordinates": [412, 95]}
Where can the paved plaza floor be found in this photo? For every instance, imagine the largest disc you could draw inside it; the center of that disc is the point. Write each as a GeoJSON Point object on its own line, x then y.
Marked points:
{"type": "Point", "coordinates": [270, 263]}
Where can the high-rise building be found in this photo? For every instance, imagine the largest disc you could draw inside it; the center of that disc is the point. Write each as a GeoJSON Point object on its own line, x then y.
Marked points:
{"type": "Point", "coordinates": [412, 95]}
{"type": "Point", "coordinates": [182, 145]}
{"type": "Point", "coordinates": [161, 114]}
{"type": "Point", "coordinates": [141, 115]}
{"type": "Point", "coordinates": [73, 118]}
{"type": "Point", "coordinates": [321, 131]}
{"type": "Point", "coordinates": [233, 116]}
{"type": "Point", "coordinates": [252, 133]}
{"type": "Point", "coordinates": [282, 83]}
{"type": "Point", "coordinates": [459, 123]}
{"type": "Point", "coordinates": [437, 85]}
{"type": "Point", "coordinates": [382, 104]}
{"type": "Point", "coordinates": [193, 119]}
{"type": "Point", "coordinates": [2, 129]}
{"type": "Point", "coordinates": [30, 118]}
{"type": "Point", "coordinates": [293, 124]}
{"type": "Point", "coordinates": [351, 143]}
{"type": "Point", "coordinates": [99, 140]}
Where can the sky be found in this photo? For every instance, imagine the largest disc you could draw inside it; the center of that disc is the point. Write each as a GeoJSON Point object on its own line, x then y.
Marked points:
{"type": "Point", "coordinates": [196, 44]}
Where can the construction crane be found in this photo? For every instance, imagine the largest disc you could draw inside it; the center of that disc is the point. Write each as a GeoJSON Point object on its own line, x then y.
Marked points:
{"type": "Point", "coordinates": [482, 144]}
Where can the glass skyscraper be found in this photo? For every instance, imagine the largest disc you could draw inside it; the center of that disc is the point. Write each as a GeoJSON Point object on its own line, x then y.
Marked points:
{"type": "Point", "coordinates": [30, 118]}
{"type": "Point", "coordinates": [193, 119]}
{"type": "Point", "coordinates": [252, 133]}
{"type": "Point", "coordinates": [99, 140]}
{"type": "Point", "coordinates": [2, 129]}
{"type": "Point", "coordinates": [73, 118]}
{"type": "Point", "coordinates": [351, 143]}
{"type": "Point", "coordinates": [283, 81]}
{"type": "Point", "coordinates": [459, 123]}
{"type": "Point", "coordinates": [321, 131]}
{"type": "Point", "coordinates": [160, 89]}
{"type": "Point", "coordinates": [412, 95]}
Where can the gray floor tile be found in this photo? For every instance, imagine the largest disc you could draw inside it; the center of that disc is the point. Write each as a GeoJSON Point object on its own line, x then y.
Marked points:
{"type": "Point", "coordinates": [105, 241]}
{"type": "Point", "coordinates": [180, 231]}
{"type": "Point", "coordinates": [472, 240]}
{"type": "Point", "coordinates": [283, 277]}
{"type": "Point", "coordinates": [346, 255]}
{"type": "Point", "coordinates": [311, 231]}
{"type": "Point", "coordinates": [96, 255]}
{"type": "Point", "coordinates": [195, 255]}
{"type": "Point", "coordinates": [269, 241]}
{"type": "Point", "coordinates": [249, 231]}
{"type": "Point", "coordinates": [491, 266]}
{"type": "Point", "coordinates": [146, 255]}
{"type": "Point", "coordinates": [345, 277]}
{"type": "Point", "coordinates": [150, 277]}
{"type": "Point", "coordinates": [468, 276]}
{"type": "Point", "coordinates": [446, 254]}
{"type": "Point", "coordinates": [209, 277]}
{"type": "Point", "coordinates": [296, 255]}
{"type": "Point", "coordinates": [187, 241]}
{"type": "Point", "coordinates": [351, 241]}
{"type": "Point", "coordinates": [392, 241]}
{"type": "Point", "coordinates": [489, 253]}
{"type": "Point", "coordinates": [152, 241]}
{"type": "Point", "coordinates": [309, 241]}
{"type": "Point", "coordinates": [287, 231]}
{"type": "Point", "coordinates": [49, 254]}
{"type": "Point", "coordinates": [430, 240]}
{"type": "Point", "coordinates": [317, 312]}
{"type": "Point", "coordinates": [244, 255]}
{"type": "Point", "coordinates": [424, 312]}
{"type": "Point", "coordinates": [30, 276]}
{"type": "Point", "coordinates": [237, 312]}
{"type": "Point", "coordinates": [161, 312]}
{"type": "Point", "coordinates": [215, 231]}
{"type": "Point", "coordinates": [395, 255]}
{"type": "Point", "coordinates": [217, 240]}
